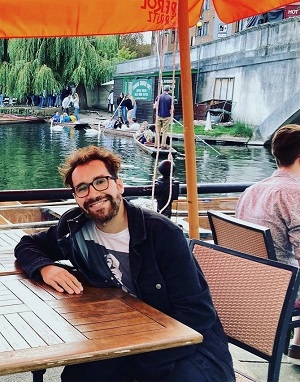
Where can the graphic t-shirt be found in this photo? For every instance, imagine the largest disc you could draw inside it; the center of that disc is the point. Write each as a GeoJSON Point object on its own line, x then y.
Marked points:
{"type": "Point", "coordinates": [106, 254]}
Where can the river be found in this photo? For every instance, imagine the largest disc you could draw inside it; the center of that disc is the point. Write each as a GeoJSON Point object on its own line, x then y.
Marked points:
{"type": "Point", "coordinates": [30, 155]}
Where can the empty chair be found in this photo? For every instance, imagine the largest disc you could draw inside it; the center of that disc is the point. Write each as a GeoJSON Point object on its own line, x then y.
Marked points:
{"type": "Point", "coordinates": [243, 236]}
{"type": "Point", "coordinates": [240, 235]}
{"type": "Point", "coordinates": [254, 298]}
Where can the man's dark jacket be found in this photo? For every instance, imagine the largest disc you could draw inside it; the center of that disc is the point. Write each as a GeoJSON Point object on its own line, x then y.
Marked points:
{"type": "Point", "coordinates": [164, 273]}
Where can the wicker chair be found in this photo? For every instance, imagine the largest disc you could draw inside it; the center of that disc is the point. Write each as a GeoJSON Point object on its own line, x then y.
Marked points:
{"type": "Point", "coordinates": [242, 236]}
{"type": "Point", "coordinates": [254, 298]}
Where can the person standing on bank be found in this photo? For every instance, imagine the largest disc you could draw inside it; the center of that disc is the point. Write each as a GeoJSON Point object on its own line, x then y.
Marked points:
{"type": "Point", "coordinates": [75, 100]}
{"type": "Point", "coordinates": [65, 106]}
{"type": "Point", "coordinates": [110, 102]}
{"type": "Point", "coordinates": [134, 104]}
{"type": "Point", "coordinates": [120, 100]}
{"type": "Point", "coordinates": [164, 110]}
{"type": "Point", "coordinates": [274, 203]}
{"type": "Point", "coordinates": [127, 103]}
{"type": "Point", "coordinates": [154, 264]}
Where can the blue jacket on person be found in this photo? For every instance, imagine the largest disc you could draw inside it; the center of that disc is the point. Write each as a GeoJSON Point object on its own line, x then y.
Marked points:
{"type": "Point", "coordinates": [164, 273]}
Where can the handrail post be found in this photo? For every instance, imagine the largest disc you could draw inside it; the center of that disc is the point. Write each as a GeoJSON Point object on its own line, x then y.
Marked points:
{"type": "Point", "coordinates": [164, 195]}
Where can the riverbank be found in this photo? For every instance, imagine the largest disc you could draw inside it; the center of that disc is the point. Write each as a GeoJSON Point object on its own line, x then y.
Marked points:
{"type": "Point", "coordinates": [94, 117]}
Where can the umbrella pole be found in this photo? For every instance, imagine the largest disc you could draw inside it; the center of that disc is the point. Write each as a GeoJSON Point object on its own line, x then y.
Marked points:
{"type": "Point", "coordinates": [188, 118]}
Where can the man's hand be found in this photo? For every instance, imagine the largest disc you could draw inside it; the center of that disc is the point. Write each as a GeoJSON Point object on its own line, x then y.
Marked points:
{"type": "Point", "coordinates": [60, 279]}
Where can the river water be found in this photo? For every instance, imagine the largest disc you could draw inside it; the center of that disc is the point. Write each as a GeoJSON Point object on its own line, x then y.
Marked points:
{"type": "Point", "coordinates": [31, 153]}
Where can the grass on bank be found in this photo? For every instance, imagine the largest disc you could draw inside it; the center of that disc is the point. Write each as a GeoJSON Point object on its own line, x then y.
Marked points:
{"type": "Point", "coordinates": [239, 129]}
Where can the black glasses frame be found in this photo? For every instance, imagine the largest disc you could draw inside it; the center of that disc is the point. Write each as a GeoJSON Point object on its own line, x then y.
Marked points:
{"type": "Point", "coordinates": [92, 184]}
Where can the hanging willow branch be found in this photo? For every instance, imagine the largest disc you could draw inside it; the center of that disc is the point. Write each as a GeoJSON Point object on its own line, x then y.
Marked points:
{"type": "Point", "coordinates": [49, 64]}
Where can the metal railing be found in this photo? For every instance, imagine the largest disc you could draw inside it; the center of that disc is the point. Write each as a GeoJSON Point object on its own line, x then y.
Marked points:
{"type": "Point", "coordinates": [57, 197]}
{"type": "Point", "coordinates": [130, 191]}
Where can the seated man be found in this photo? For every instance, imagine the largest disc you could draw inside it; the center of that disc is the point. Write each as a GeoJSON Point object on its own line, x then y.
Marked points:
{"type": "Point", "coordinates": [65, 118]}
{"type": "Point", "coordinates": [274, 203]}
{"type": "Point", "coordinates": [139, 134]}
{"type": "Point", "coordinates": [56, 117]}
{"type": "Point", "coordinates": [149, 135]}
{"type": "Point", "coordinates": [153, 262]}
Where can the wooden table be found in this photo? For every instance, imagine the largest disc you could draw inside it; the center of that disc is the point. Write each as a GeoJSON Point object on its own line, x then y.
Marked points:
{"type": "Point", "coordinates": [10, 238]}
{"type": "Point", "coordinates": [8, 263]}
{"type": "Point", "coordinates": [41, 328]}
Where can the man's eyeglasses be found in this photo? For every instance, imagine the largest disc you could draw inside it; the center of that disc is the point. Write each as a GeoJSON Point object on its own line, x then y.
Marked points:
{"type": "Point", "coordinates": [100, 184]}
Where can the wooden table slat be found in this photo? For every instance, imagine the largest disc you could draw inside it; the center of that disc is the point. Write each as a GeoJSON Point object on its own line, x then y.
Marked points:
{"type": "Point", "coordinates": [42, 329]}
{"type": "Point", "coordinates": [29, 335]}
{"type": "Point", "coordinates": [50, 317]}
{"type": "Point", "coordinates": [93, 316]}
{"type": "Point", "coordinates": [116, 323]}
{"type": "Point", "coordinates": [11, 237]}
{"type": "Point", "coordinates": [8, 263]}
{"type": "Point", "coordinates": [137, 329]}
{"type": "Point", "coordinates": [11, 334]}
{"type": "Point", "coordinates": [4, 345]}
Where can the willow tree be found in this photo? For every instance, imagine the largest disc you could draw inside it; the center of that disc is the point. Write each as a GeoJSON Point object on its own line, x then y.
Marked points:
{"type": "Point", "coordinates": [32, 65]}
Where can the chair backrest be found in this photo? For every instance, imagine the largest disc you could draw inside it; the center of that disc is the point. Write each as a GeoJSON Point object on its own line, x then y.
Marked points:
{"type": "Point", "coordinates": [242, 236]}
{"type": "Point", "coordinates": [254, 298]}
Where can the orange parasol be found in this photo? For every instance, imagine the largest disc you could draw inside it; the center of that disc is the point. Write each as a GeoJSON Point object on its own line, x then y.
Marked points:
{"type": "Point", "coordinates": [54, 18]}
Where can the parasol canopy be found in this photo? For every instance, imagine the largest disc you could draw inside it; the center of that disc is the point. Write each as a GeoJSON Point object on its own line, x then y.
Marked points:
{"type": "Point", "coordinates": [38, 18]}
{"type": "Point", "coordinates": [56, 18]}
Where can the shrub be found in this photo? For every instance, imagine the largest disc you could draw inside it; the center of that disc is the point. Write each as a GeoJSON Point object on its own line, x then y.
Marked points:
{"type": "Point", "coordinates": [242, 130]}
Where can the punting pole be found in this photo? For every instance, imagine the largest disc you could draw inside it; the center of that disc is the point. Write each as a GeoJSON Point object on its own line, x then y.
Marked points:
{"type": "Point", "coordinates": [188, 119]}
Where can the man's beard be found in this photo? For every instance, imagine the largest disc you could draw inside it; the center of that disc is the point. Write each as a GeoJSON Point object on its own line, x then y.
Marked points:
{"type": "Point", "coordinates": [104, 214]}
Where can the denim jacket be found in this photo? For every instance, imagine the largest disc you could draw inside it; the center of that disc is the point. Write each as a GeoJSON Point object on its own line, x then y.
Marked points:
{"type": "Point", "coordinates": [164, 272]}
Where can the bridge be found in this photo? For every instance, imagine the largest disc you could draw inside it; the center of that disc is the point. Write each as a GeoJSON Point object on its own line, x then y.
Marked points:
{"type": "Point", "coordinates": [257, 69]}
{"type": "Point", "coordinates": [264, 63]}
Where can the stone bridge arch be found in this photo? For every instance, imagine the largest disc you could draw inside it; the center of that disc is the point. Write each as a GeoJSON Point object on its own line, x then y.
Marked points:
{"type": "Point", "coordinates": [288, 112]}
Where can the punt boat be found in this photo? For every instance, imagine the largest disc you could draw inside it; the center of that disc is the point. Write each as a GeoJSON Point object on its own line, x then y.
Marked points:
{"type": "Point", "coordinates": [115, 132]}
{"type": "Point", "coordinates": [7, 119]}
{"type": "Point", "coordinates": [149, 149]}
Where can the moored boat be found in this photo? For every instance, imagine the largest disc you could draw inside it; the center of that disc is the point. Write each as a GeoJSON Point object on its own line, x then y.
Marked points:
{"type": "Point", "coordinates": [150, 149]}
{"type": "Point", "coordinates": [116, 132]}
{"type": "Point", "coordinates": [6, 119]}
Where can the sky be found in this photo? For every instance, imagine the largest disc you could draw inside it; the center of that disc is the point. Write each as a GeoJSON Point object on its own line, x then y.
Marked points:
{"type": "Point", "coordinates": [147, 37]}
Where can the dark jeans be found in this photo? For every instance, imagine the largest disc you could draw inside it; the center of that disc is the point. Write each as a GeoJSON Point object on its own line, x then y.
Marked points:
{"type": "Point", "coordinates": [211, 362]}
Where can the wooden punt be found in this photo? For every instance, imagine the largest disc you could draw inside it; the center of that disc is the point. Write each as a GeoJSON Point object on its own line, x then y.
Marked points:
{"type": "Point", "coordinates": [153, 151]}
{"type": "Point", "coordinates": [115, 132]}
{"type": "Point", "coordinates": [7, 119]}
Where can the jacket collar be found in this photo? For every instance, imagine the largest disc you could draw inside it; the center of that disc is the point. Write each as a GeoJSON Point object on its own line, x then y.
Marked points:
{"type": "Point", "coordinates": [74, 219]}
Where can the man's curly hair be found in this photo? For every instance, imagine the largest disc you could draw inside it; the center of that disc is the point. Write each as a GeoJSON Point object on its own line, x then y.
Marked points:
{"type": "Point", "coordinates": [85, 155]}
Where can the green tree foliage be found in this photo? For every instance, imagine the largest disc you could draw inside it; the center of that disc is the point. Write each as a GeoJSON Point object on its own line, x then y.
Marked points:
{"type": "Point", "coordinates": [134, 43]}
{"type": "Point", "coordinates": [33, 65]}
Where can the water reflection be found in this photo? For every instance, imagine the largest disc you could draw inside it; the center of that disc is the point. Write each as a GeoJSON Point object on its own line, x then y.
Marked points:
{"type": "Point", "coordinates": [30, 155]}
